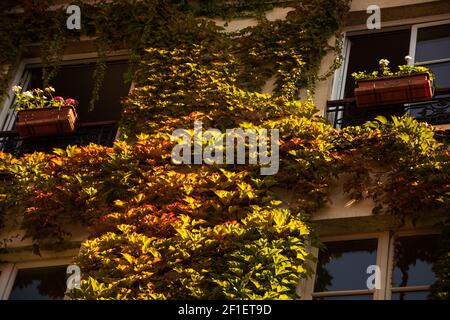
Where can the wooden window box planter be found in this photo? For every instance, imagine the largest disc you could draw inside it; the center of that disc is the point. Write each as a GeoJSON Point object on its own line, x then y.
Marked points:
{"type": "Point", "coordinates": [396, 90]}
{"type": "Point", "coordinates": [46, 121]}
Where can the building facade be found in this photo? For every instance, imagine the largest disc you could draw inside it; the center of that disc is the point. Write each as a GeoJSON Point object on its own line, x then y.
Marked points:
{"type": "Point", "coordinates": [359, 243]}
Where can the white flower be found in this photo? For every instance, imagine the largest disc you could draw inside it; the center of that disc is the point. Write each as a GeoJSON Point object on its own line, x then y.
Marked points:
{"type": "Point", "coordinates": [17, 88]}
{"type": "Point", "coordinates": [384, 62]}
{"type": "Point", "coordinates": [28, 94]}
{"type": "Point", "coordinates": [408, 58]}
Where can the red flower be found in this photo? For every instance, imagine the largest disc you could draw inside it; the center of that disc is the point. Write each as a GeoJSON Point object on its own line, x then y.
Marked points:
{"type": "Point", "coordinates": [71, 102]}
{"type": "Point", "coordinates": [58, 98]}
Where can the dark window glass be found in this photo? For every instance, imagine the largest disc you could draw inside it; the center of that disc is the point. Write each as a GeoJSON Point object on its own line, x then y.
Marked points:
{"type": "Point", "coordinates": [419, 295]}
{"type": "Point", "coordinates": [442, 74]}
{"type": "Point", "coordinates": [413, 260]}
{"type": "Point", "coordinates": [47, 283]}
{"type": "Point", "coordinates": [355, 297]}
{"type": "Point", "coordinates": [367, 50]}
{"type": "Point", "coordinates": [76, 81]}
{"type": "Point", "coordinates": [343, 265]}
{"type": "Point", "coordinates": [433, 43]}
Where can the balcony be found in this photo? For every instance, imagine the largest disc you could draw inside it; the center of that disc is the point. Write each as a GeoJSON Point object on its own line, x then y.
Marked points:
{"type": "Point", "coordinates": [102, 133]}
{"type": "Point", "coordinates": [343, 113]}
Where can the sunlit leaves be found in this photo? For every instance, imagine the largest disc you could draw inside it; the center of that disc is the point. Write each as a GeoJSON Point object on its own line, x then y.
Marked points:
{"type": "Point", "coordinates": [160, 231]}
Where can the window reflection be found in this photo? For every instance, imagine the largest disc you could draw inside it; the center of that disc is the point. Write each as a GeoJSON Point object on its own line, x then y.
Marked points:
{"type": "Point", "coordinates": [433, 43]}
{"type": "Point", "coordinates": [441, 72]}
{"type": "Point", "coordinates": [413, 260]}
{"type": "Point", "coordinates": [47, 283]}
{"type": "Point", "coordinates": [343, 265]}
{"type": "Point", "coordinates": [354, 297]}
{"type": "Point", "coordinates": [419, 295]}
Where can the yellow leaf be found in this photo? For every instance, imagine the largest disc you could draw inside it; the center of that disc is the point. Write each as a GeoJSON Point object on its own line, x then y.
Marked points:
{"type": "Point", "coordinates": [128, 257]}
{"type": "Point", "coordinates": [57, 161]}
{"type": "Point", "coordinates": [119, 203]}
{"type": "Point", "coordinates": [139, 198]}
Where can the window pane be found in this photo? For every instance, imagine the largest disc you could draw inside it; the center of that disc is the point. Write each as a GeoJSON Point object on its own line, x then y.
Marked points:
{"type": "Point", "coordinates": [413, 262]}
{"type": "Point", "coordinates": [442, 74]}
{"type": "Point", "coordinates": [40, 284]}
{"type": "Point", "coordinates": [355, 297]}
{"type": "Point", "coordinates": [419, 295]}
{"type": "Point", "coordinates": [343, 265]}
{"type": "Point", "coordinates": [433, 43]}
{"type": "Point", "coordinates": [76, 81]}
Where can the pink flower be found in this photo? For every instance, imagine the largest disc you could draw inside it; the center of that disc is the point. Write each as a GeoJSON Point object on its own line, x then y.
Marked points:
{"type": "Point", "coordinates": [58, 98]}
{"type": "Point", "coordinates": [71, 102]}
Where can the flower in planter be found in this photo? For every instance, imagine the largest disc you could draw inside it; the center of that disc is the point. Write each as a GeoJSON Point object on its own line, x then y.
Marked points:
{"type": "Point", "coordinates": [17, 89]}
{"type": "Point", "coordinates": [71, 102]}
{"type": "Point", "coordinates": [28, 94]}
{"type": "Point", "coordinates": [38, 98]}
{"type": "Point", "coordinates": [41, 120]}
{"type": "Point", "coordinates": [412, 84]}
{"type": "Point", "coordinates": [385, 71]}
{"type": "Point", "coordinates": [384, 62]}
{"type": "Point", "coordinates": [408, 69]}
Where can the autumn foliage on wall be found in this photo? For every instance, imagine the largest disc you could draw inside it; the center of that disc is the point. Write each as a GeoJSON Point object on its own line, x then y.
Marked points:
{"type": "Point", "coordinates": [166, 231]}
{"type": "Point", "coordinates": [163, 231]}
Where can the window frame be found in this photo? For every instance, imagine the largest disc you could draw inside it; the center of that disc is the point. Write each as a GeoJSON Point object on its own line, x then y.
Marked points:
{"type": "Point", "coordinates": [10, 270]}
{"type": "Point", "coordinates": [413, 42]}
{"type": "Point", "coordinates": [381, 260]}
{"type": "Point", "coordinates": [339, 76]}
{"type": "Point", "coordinates": [8, 115]}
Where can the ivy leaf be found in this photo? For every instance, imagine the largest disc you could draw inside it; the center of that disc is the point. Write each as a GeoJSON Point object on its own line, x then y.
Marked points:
{"type": "Point", "coordinates": [128, 257]}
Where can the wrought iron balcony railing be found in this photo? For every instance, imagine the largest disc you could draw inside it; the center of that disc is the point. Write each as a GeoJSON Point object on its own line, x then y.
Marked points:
{"type": "Point", "coordinates": [343, 113]}
{"type": "Point", "coordinates": [102, 133]}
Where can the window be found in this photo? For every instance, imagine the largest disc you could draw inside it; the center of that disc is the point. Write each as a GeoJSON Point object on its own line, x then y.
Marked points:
{"type": "Point", "coordinates": [428, 44]}
{"type": "Point", "coordinates": [363, 52]}
{"type": "Point", "coordinates": [366, 51]}
{"type": "Point", "coordinates": [74, 80]}
{"type": "Point", "coordinates": [341, 272]}
{"type": "Point", "coordinates": [432, 49]}
{"type": "Point", "coordinates": [47, 283]}
{"type": "Point", "coordinates": [35, 280]}
{"type": "Point", "coordinates": [404, 260]}
{"type": "Point", "coordinates": [412, 272]}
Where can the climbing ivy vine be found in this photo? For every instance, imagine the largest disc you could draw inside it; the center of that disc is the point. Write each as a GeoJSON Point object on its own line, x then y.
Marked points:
{"type": "Point", "coordinates": [162, 231]}
{"type": "Point", "coordinates": [292, 48]}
